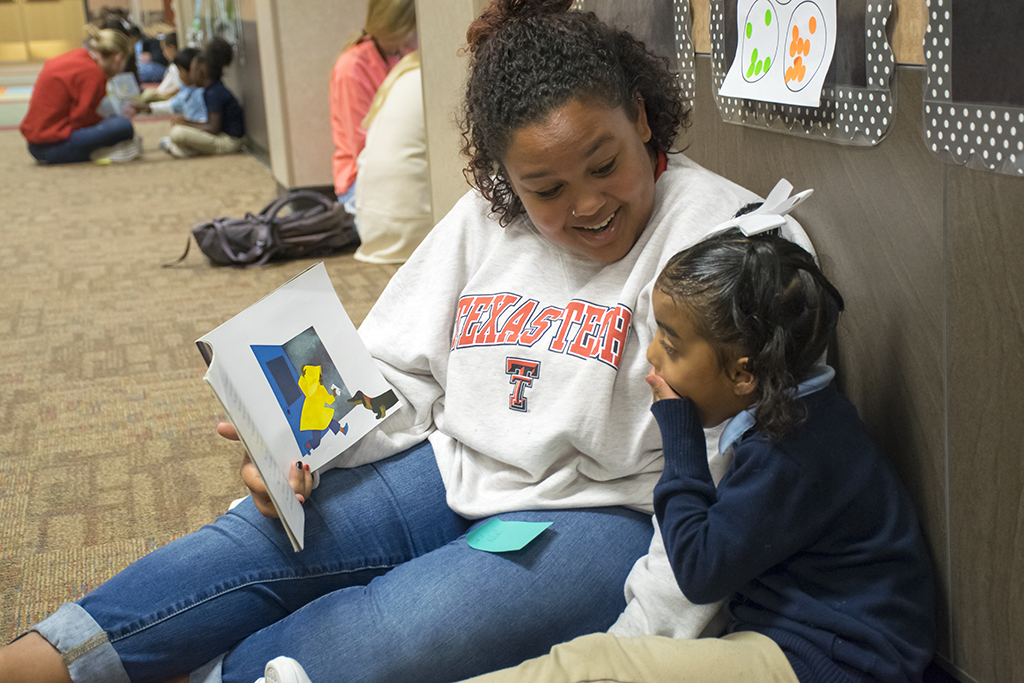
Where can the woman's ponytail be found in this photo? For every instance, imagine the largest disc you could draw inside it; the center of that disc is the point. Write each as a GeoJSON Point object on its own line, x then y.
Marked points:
{"type": "Point", "coordinates": [501, 12]}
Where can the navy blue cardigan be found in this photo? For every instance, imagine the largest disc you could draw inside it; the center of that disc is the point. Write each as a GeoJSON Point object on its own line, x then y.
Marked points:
{"type": "Point", "coordinates": [814, 538]}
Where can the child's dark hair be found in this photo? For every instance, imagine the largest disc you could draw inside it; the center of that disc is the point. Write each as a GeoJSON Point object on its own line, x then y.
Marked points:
{"type": "Point", "coordinates": [170, 39]}
{"type": "Point", "coordinates": [530, 57]}
{"type": "Point", "coordinates": [219, 55]}
{"type": "Point", "coordinates": [183, 59]}
{"type": "Point", "coordinates": [765, 298]}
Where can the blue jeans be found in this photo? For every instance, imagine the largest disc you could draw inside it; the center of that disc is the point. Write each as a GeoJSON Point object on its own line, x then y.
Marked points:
{"type": "Point", "coordinates": [387, 589]}
{"type": "Point", "coordinates": [84, 142]}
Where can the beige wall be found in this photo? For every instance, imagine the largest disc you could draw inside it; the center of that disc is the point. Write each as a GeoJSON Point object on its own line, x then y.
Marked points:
{"type": "Point", "coordinates": [299, 41]}
{"type": "Point", "coordinates": [442, 30]}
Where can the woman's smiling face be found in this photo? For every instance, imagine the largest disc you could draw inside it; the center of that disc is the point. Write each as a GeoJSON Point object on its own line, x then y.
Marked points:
{"type": "Point", "coordinates": [585, 177]}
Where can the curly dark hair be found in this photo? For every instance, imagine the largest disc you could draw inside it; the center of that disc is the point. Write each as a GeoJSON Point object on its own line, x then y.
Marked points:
{"type": "Point", "coordinates": [530, 57]}
{"type": "Point", "coordinates": [762, 297]}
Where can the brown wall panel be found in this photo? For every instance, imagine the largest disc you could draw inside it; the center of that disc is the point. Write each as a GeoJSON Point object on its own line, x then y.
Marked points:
{"type": "Point", "coordinates": [986, 412]}
{"type": "Point", "coordinates": [876, 219]}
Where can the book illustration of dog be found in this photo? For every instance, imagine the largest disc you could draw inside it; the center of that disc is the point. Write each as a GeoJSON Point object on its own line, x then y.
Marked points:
{"type": "Point", "coordinates": [378, 405]}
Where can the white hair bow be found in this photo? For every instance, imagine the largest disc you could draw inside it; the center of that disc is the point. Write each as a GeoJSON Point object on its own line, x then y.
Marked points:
{"type": "Point", "coordinates": [771, 214]}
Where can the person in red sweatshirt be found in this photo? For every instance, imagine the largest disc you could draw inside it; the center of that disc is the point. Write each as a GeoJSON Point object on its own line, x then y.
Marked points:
{"type": "Point", "coordinates": [62, 124]}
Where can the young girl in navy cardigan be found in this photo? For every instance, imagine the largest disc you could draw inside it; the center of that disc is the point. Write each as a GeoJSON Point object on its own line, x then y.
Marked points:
{"type": "Point", "coordinates": [809, 534]}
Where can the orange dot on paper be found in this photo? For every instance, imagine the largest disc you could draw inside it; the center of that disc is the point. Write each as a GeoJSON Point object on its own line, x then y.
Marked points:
{"type": "Point", "coordinates": [807, 48]}
{"type": "Point", "coordinates": [813, 25]}
{"type": "Point", "coordinates": [796, 33]}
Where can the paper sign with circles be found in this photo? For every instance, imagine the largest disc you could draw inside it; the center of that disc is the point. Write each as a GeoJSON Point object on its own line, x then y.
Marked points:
{"type": "Point", "coordinates": [784, 49]}
{"type": "Point", "coordinates": [849, 101]}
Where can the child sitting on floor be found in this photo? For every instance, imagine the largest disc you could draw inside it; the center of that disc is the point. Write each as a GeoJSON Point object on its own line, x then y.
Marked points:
{"type": "Point", "coordinates": [224, 127]}
{"type": "Point", "coordinates": [809, 531]}
{"type": "Point", "coordinates": [188, 102]}
{"type": "Point", "coordinates": [171, 82]}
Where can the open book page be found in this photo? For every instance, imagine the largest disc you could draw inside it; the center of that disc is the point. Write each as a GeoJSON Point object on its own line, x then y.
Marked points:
{"type": "Point", "coordinates": [296, 382]}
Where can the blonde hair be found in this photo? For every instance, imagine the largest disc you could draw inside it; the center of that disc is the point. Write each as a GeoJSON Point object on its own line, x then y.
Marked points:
{"type": "Point", "coordinates": [107, 42]}
{"type": "Point", "coordinates": [388, 20]}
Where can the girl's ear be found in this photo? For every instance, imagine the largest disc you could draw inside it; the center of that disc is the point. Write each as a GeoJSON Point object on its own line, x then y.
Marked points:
{"type": "Point", "coordinates": [743, 380]}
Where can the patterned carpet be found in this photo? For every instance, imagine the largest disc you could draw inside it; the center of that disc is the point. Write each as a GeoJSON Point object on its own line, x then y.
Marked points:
{"type": "Point", "coordinates": [107, 443]}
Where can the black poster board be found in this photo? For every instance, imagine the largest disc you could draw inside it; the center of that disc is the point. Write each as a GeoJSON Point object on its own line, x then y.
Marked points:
{"type": "Point", "coordinates": [974, 97]}
{"type": "Point", "coordinates": [857, 99]}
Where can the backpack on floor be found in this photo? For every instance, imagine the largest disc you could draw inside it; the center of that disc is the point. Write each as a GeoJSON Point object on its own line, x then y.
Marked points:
{"type": "Point", "coordinates": [298, 224]}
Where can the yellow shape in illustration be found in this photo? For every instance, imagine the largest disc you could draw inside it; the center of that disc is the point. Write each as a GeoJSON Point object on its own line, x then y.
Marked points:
{"type": "Point", "coordinates": [316, 415]}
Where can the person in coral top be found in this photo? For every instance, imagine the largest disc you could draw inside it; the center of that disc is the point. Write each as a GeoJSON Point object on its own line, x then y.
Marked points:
{"type": "Point", "coordinates": [389, 34]}
{"type": "Point", "coordinates": [62, 124]}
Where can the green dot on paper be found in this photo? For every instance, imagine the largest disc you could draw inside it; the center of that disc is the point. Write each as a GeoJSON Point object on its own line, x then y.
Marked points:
{"type": "Point", "coordinates": [768, 17]}
{"type": "Point", "coordinates": [750, 29]}
{"type": "Point", "coordinates": [767, 63]}
{"type": "Point", "coordinates": [758, 69]}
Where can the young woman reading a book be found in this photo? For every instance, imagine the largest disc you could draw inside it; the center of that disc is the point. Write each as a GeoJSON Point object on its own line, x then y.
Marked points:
{"type": "Point", "coordinates": [516, 337]}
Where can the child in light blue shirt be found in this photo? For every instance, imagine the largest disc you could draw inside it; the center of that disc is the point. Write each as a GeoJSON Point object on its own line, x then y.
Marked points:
{"type": "Point", "coordinates": [189, 100]}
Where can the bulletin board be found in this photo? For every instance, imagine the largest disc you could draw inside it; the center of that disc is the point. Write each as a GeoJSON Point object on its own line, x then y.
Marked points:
{"type": "Point", "coordinates": [858, 96]}
{"type": "Point", "coordinates": [663, 25]}
{"type": "Point", "coordinates": [974, 96]}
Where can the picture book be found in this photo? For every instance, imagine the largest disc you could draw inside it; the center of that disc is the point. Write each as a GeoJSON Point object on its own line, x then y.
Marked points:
{"type": "Point", "coordinates": [297, 383]}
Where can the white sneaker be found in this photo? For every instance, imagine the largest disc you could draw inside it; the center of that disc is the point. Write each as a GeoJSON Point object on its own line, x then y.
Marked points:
{"type": "Point", "coordinates": [124, 151]}
{"type": "Point", "coordinates": [284, 670]}
{"type": "Point", "coordinates": [172, 148]}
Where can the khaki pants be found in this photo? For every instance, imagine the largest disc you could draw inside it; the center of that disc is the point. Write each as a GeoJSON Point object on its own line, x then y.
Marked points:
{"type": "Point", "coordinates": [191, 141]}
{"type": "Point", "coordinates": [742, 657]}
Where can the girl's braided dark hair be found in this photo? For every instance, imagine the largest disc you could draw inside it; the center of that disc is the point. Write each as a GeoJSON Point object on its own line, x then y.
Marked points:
{"type": "Point", "coordinates": [529, 57]}
{"type": "Point", "coordinates": [762, 297]}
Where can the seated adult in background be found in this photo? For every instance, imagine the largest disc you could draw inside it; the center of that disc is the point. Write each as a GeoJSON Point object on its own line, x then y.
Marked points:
{"type": "Point", "coordinates": [515, 336]}
{"type": "Point", "coordinates": [62, 124]}
{"type": "Point", "coordinates": [389, 33]}
{"type": "Point", "coordinates": [393, 192]}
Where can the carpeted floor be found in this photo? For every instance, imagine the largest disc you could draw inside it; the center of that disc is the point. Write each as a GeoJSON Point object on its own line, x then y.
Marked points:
{"type": "Point", "coordinates": [107, 443]}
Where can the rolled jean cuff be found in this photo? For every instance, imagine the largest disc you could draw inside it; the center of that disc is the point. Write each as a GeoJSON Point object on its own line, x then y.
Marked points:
{"type": "Point", "coordinates": [209, 672]}
{"type": "Point", "coordinates": [83, 645]}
